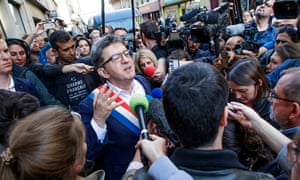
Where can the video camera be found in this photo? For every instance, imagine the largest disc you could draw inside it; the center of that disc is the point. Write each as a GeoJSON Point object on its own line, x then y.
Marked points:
{"type": "Point", "coordinates": [286, 9]}
{"type": "Point", "coordinates": [247, 45]}
{"type": "Point", "coordinates": [175, 38]}
{"type": "Point", "coordinates": [246, 30]}
{"type": "Point", "coordinates": [207, 22]}
{"type": "Point", "coordinates": [204, 25]}
{"type": "Point", "coordinates": [205, 16]}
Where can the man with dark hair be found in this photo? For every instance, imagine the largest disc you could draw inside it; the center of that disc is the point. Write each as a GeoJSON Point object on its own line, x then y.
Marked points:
{"type": "Point", "coordinates": [195, 98]}
{"type": "Point", "coordinates": [266, 32]}
{"type": "Point", "coordinates": [112, 129]}
{"type": "Point", "coordinates": [120, 31]}
{"type": "Point", "coordinates": [70, 88]}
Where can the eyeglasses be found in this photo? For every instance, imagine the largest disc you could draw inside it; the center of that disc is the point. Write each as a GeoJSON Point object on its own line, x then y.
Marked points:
{"type": "Point", "coordinates": [266, 3]}
{"type": "Point", "coordinates": [117, 57]}
{"type": "Point", "coordinates": [273, 95]}
{"type": "Point", "coordinates": [293, 153]}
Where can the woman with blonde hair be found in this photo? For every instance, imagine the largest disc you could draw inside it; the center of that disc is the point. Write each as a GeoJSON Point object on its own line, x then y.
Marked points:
{"type": "Point", "coordinates": [48, 144]}
{"type": "Point", "coordinates": [144, 58]}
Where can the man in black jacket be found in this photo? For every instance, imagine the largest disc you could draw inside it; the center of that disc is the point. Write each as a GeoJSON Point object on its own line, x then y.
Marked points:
{"type": "Point", "coordinates": [70, 88]}
{"type": "Point", "coordinates": [195, 103]}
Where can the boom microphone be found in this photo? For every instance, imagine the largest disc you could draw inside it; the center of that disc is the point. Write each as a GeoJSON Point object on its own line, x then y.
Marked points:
{"type": "Point", "coordinates": [189, 14]}
{"type": "Point", "coordinates": [156, 114]}
{"type": "Point", "coordinates": [223, 6]}
{"type": "Point", "coordinates": [139, 105]}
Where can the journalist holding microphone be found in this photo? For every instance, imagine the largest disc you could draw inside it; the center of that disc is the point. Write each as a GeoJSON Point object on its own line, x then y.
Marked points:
{"type": "Point", "coordinates": [112, 128]}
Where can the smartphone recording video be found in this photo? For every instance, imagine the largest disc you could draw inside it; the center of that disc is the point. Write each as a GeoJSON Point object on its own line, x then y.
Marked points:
{"type": "Point", "coordinates": [49, 25]}
{"type": "Point", "coordinates": [174, 36]}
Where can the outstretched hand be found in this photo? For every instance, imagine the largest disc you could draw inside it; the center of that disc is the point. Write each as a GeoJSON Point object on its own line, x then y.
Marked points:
{"type": "Point", "coordinates": [154, 148]}
{"type": "Point", "coordinates": [243, 114]}
{"type": "Point", "coordinates": [104, 104]}
{"type": "Point", "coordinates": [78, 67]}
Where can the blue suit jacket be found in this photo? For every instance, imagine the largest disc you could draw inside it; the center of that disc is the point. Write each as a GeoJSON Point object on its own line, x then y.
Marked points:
{"type": "Point", "coordinates": [117, 149]}
{"type": "Point", "coordinates": [25, 85]}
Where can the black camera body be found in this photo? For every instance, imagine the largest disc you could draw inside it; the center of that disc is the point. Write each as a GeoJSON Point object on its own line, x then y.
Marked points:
{"type": "Point", "coordinates": [246, 30]}
{"type": "Point", "coordinates": [286, 9]}
{"type": "Point", "coordinates": [248, 45]}
{"type": "Point", "coordinates": [203, 23]}
{"type": "Point", "coordinates": [175, 38]}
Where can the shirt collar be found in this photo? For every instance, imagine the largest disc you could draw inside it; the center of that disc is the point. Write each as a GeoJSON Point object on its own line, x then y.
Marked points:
{"type": "Point", "coordinates": [11, 86]}
{"type": "Point", "coordinates": [291, 130]}
{"type": "Point", "coordinates": [137, 88]}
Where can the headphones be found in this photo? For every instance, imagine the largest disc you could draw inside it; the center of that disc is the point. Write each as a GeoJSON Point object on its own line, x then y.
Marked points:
{"type": "Point", "coordinates": [12, 41]}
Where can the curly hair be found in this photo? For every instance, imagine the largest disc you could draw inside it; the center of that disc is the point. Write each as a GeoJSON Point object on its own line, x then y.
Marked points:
{"type": "Point", "coordinates": [250, 149]}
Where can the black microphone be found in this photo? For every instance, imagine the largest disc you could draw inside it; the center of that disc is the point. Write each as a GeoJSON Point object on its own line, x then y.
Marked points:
{"type": "Point", "coordinates": [224, 6]}
{"type": "Point", "coordinates": [189, 15]}
{"type": "Point", "coordinates": [139, 105]}
{"type": "Point", "coordinates": [157, 115]}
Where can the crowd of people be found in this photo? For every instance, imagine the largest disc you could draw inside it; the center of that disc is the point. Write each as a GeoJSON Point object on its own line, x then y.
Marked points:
{"type": "Point", "coordinates": [66, 103]}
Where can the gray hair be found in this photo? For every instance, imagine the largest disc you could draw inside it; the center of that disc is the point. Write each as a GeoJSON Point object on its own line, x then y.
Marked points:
{"type": "Point", "coordinates": [100, 45]}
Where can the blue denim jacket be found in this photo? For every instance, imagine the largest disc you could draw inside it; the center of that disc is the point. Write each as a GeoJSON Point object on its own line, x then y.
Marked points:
{"type": "Point", "coordinates": [275, 75]}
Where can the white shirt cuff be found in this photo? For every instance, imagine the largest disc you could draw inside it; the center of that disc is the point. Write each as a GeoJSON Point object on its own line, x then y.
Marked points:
{"type": "Point", "coordinates": [100, 132]}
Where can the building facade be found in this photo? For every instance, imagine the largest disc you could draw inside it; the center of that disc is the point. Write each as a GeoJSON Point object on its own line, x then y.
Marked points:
{"type": "Point", "coordinates": [161, 9]}
{"type": "Point", "coordinates": [19, 17]}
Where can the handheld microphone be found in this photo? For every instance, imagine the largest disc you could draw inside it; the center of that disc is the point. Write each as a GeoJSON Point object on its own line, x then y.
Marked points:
{"type": "Point", "coordinates": [139, 105]}
{"type": "Point", "coordinates": [189, 15]}
{"type": "Point", "coordinates": [157, 93]}
{"type": "Point", "coordinates": [149, 71]}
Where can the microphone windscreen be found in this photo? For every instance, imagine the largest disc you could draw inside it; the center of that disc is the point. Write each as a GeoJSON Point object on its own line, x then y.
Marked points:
{"type": "Point", "coordinates": [149, 97]}
{"type": "Point", "coordinates": [157, 93]}
{"type": "Point", "coordinates": [156, 113]}
{"type": "Point", "coordinates": [189, 15]}
{"type": "Point", "coordinates": [139, 100]}
{"type": "Point", "coordinates": [149, 71]}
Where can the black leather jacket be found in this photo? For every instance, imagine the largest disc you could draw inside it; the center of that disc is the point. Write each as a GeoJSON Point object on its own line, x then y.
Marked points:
{"type": "Point", "coordinates": [213, 164]}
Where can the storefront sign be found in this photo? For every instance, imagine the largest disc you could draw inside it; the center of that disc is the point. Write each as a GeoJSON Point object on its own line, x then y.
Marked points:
{"type": "Point", "coordinates": [151, 7]}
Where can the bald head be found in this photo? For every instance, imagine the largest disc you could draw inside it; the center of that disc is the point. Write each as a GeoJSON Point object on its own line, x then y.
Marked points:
{"type": "Point", "coordinates": [233, 41]}
{"type": "Point", "coordinates": [290, 83]}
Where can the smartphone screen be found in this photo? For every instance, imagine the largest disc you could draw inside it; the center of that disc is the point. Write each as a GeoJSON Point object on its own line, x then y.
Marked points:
{"type": "Point", "coordinates": [49, 25]}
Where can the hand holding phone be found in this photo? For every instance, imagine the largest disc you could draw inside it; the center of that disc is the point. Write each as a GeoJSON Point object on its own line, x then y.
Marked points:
{"type": "Point", "coordinates": [48, 25]}
{"type": "Point", "coordinates": [231, 108]}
